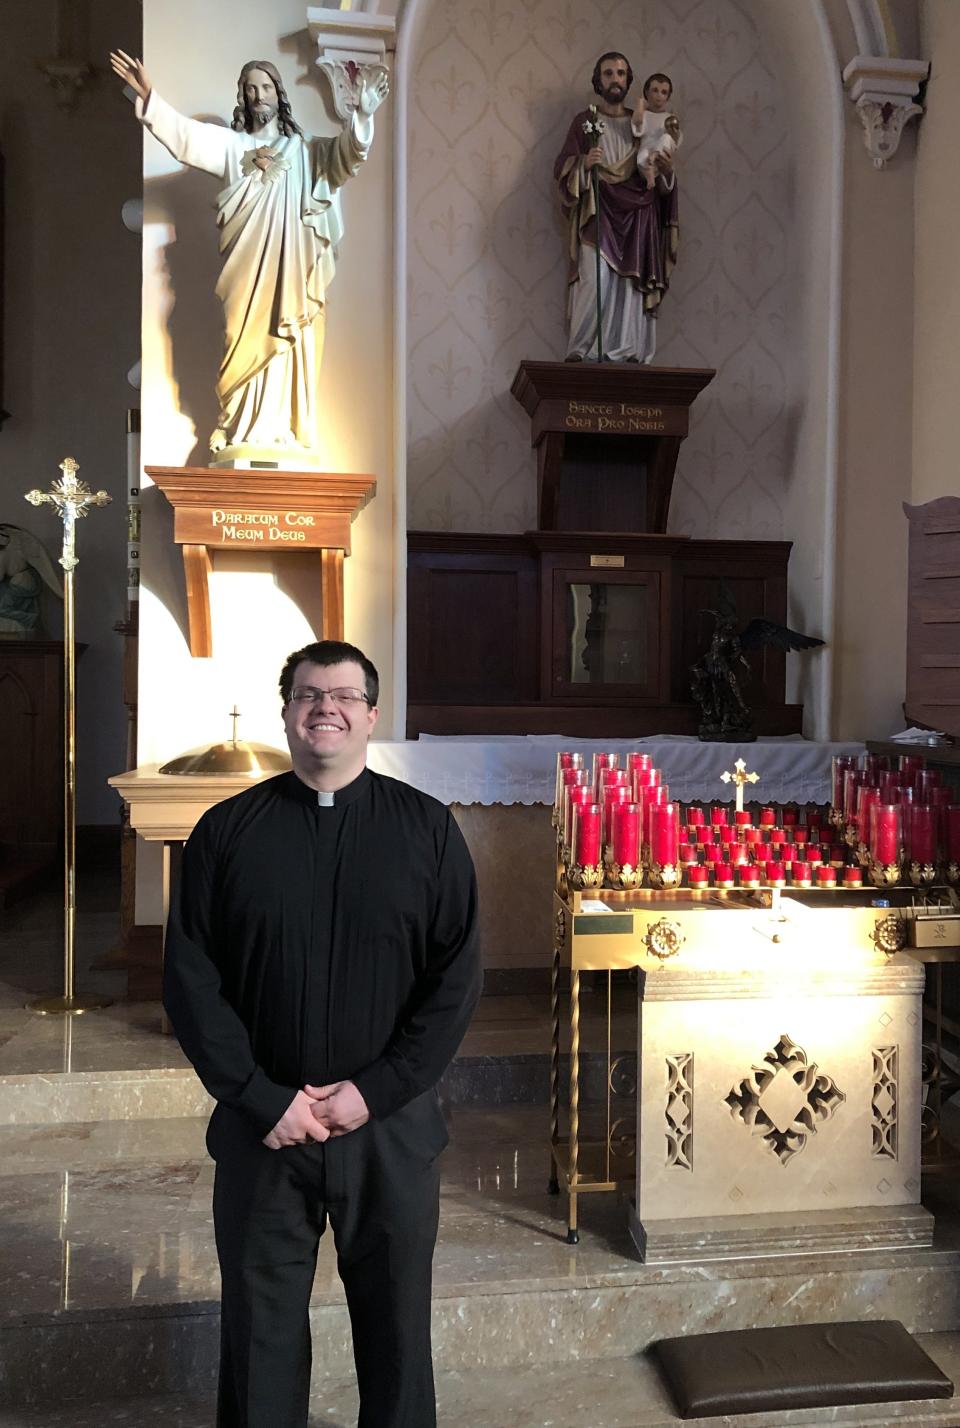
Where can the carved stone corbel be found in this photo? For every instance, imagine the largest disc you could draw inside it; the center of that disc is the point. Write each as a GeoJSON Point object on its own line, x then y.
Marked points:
{"type": "Point", "coordinates": [350, 44]}
{"type": "Point", "coordinates": [884, 91]}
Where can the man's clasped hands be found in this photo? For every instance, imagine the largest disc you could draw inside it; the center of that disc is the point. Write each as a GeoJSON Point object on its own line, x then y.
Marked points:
{"type": "Point", "coordinates": [317, 1113]}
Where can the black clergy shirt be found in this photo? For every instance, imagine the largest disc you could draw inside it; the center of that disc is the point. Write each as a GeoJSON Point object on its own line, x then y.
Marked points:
{"type": "Point", "coordinates": [310, 944]}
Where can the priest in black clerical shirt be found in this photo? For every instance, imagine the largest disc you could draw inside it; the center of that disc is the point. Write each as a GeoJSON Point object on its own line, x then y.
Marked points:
{"type": "Point", "coordinates": [321, 967]}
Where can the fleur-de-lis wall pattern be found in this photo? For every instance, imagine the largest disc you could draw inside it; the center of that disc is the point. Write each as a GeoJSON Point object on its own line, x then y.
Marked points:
{"type": "Point", "coordinates": [494, 89]}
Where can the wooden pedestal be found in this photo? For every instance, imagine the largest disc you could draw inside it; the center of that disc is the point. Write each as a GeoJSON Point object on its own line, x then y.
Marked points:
{"type": "Point", "coordinates": [260, 511]}
{"type": "Point", "coordinates": [607, 438]}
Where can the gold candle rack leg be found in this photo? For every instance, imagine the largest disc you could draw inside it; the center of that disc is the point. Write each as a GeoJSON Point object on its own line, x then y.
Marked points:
{"type": "Point", "coordinates": [553, 1185]}
{"type": "Point", "coordinates": [573, 1234]}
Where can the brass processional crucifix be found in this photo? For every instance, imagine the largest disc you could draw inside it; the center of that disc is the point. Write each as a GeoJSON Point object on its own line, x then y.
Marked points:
{"type": "Point", "coordinates": [71, 499]}
{"type": "Point", "coordinates": [739, 777]}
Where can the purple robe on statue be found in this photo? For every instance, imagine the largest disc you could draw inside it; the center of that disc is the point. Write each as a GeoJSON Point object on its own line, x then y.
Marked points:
{"type": "Point", "coordinates": [638, 224]}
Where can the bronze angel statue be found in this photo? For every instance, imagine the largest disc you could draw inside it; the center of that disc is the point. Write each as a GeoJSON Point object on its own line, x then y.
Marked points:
{"type": "Point", "coordinates": [714, 682]}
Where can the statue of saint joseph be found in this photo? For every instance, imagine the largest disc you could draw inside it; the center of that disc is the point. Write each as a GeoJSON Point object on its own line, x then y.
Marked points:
{"type": "Point", "coordinates": [279, 220]}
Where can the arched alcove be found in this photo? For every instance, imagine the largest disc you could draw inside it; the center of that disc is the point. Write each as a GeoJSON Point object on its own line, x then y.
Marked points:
{"type": "Point", "coordinates": [485, 96]}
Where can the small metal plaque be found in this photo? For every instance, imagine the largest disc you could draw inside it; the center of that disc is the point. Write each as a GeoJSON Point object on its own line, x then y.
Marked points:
{"type": "Point", "coordinates": [607, 562]}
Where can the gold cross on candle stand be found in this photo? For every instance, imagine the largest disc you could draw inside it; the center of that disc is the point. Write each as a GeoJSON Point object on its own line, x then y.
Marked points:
{"type": "Point", "coordinates": [739, 777]}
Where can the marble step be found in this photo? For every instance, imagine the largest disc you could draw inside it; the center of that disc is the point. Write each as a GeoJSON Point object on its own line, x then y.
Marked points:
{"type": "Point", "coordinates": [611, 1393]}
{"type": "Point", "coordinates": [110, 1275]}
{"type": "Point", "coordinates": [52, 1097]}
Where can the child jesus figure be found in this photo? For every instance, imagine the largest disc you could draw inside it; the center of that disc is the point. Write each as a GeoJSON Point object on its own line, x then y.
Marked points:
{"type": "Point", "coordinates": [655, 125]}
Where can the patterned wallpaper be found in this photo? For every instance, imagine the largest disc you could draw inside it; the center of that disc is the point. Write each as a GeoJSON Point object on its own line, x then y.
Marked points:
{"type": "Point", "coordinates": [495, 84]}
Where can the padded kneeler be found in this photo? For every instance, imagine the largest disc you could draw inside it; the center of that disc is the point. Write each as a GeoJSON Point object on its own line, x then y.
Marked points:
{"type": "Point", "coordinates": [798, 1366]}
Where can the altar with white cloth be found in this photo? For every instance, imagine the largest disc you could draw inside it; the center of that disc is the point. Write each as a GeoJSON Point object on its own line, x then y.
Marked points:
{"type": "Point", "coordinates": [522, 768]}
{"type": "Point", "coordinates": [501, 791]}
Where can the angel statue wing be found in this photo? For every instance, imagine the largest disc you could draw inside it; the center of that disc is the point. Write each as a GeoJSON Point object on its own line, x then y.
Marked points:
{"type": "Point", "coordinates": [766, 632]}
{"type": "Point", "coordinates": [19, 548]}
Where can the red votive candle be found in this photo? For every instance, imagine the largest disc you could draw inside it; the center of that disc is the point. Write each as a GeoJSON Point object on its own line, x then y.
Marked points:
{"type": "Point", "coordinates": [586, 834]}
{"type": "Point", "coordinates": [614, 796]}
{"type": "Point", "coordinates": [800, 835]}
{"type": "Point", "coordinates": [852, 779]}
{"type": "Point", "coordinates": [778, 835]}
{"type": "Point", "coordinates": [952, 838]}
{"type": "Point", "coordinates": [873, 766]}
{"type": "Point", "coordinates": [718, 816]}
{"type": "Point", "coordinates": [911, 763]}
{"type": "Point", "coordinates": [852, 878]}
{"type": "Point", "coordinates": [801, 874]}
{"type": "Point", "coordinates": [814, 854]}
{"type": "Point", "coordinates": [626, 834]}
{"type": "Point", "coordinates": [752, 835]}
{"type": "Point", "coordinates": [636, 759]}
{"type": "Point", "coordinates": [866, 798]}
{"type": "Point", "coordinates": [696, 817]}
{"type": "Point", "coordinates": [839, 765]}
{"type": "Point", "coordinates": [768, 818]}
{"type": "Point", "coordinates": [925, 779]}
{"type": "Point", "coordinates": [566, 761]}
{"type": "Point", "coordinates": [664, 834]}
{"type": "Point", "coordinates": [688, 853]}
{"type": "Point", "coordinates": [920, 833]}
{"type": "Point", "coordinates": [790, 818]}
{"type": "Point", "coordinates": [697, 876]}
{"type": "Point", "coordinates": [775, 873]}
{"type": "Point", "coordinates": [826, 877]}
{"type": "Point", "coordinates": [604, 761]}
{"type": "Point", "coordinates": [653, 798]}
{"type": "Point", "coordinates": [738, 854]}
{"type": "Point", "coordinates": [723, 875]}
{"type": "Point", "coordinates": [886, 832]}
{"type": "Point", "coordinates": [749, 875]}
{"type": "Point", "coordinates": [708, 835]}
{"type": "Point", "coordinates": [645, 778]}
{"type": "Point", "coordinates": [729, 833]}
{"type": "Point", "coordinates": [742, 817]}
{"type": "Point", "coordinates": [577, 796]}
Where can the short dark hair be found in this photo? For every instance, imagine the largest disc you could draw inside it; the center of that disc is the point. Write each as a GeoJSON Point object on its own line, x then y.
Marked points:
{"type": "Point", "coordinates": [326, 653]}
{"type": "Point", "coordinates": [663, 78]}
{"type": "Point", "coordinates": [611, 54]}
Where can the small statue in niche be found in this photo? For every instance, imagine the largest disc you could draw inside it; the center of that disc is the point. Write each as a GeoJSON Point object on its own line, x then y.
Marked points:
{"type": "Point", "coordinates": [714, 683]}
{"type": "Point", "coordinates": [24, 565]}
{"type": "Point", "coordinates": [638, 223]}
{"type": "Point", "coordinates": [280, 223]}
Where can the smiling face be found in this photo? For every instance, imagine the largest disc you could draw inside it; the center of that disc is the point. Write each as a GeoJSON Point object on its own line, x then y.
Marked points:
{"type": "Point", "coordinates": [328, 741]}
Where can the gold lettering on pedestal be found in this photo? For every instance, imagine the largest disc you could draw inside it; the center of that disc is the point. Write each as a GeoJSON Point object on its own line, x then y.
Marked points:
{"type": "Point", "coordinates": [613, 416]}
{"type": "Point", "coordinates": [285, 527]}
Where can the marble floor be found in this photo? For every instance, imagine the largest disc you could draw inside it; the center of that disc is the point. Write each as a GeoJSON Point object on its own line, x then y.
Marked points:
{"type": "Point", "coordinates": [106, 1246]}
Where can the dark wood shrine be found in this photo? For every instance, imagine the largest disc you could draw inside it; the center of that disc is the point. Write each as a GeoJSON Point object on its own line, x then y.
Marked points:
{"type": "Point", "coordinates": [588, 625]}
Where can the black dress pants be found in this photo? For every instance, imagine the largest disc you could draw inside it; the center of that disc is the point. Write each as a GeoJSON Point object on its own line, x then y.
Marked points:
{"type": "Point", "coordinates": [379, 1186]}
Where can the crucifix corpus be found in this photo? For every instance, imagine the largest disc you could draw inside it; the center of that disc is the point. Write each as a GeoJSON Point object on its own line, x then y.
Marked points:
{"type": "Point", "coordinates": [739, 777]}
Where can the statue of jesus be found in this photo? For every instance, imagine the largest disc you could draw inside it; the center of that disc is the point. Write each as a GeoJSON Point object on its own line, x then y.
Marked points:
{"type": "Point", "coordinates": [278, 215]}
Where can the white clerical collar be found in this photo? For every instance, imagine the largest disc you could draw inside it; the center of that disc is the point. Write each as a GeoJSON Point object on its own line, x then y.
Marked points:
{"type": "Point", "coordinates": [325, 800]}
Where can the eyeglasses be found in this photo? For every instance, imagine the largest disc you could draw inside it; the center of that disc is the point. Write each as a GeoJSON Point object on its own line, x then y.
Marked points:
{"type": "Point", "coordinates": [308, 695]}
